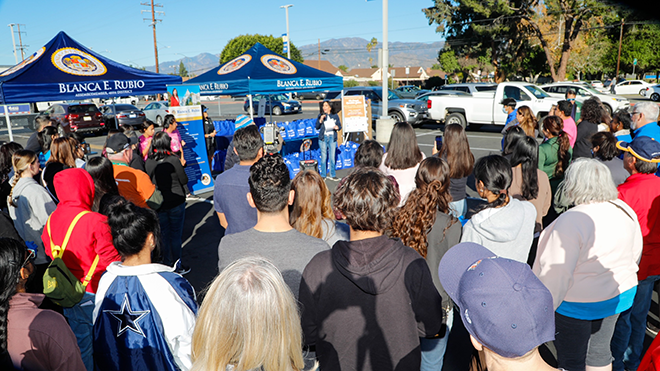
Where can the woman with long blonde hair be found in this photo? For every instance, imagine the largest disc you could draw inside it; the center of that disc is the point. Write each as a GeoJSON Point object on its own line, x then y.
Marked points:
{"type": "Point", "coordinates": [248, 321]}
{"type": "Point", "coordinates": [528, 122]}
{"type": "Point", "coordinates": [30, 205]}
{"type": "Point", "coordinates": [311, 212]}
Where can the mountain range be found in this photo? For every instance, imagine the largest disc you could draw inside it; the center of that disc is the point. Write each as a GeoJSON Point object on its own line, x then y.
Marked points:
{"type": "Point", "coordinates": [349, 51]}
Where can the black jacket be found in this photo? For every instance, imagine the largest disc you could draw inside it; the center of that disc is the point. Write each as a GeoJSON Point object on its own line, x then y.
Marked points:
{"type": "Point", "coordinates": [170, 178]}
{"type": "Point", "coordinates": [369, 300]}
{"type": "Point", "coordinates": [320, 125]}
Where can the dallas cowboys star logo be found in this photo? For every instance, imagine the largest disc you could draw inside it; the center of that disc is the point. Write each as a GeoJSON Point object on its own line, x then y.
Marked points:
{"type": "Point", "coordinates": [128, 319]}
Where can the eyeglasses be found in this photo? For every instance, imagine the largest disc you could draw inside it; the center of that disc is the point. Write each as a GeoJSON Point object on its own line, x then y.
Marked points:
{"type": "Point", "coordinates": [634, 113]}
{"type": "Point", "coordinates": [30, 257]}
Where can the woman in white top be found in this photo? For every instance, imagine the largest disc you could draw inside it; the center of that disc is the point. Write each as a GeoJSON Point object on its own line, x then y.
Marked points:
{"type": "Point", "coordinates": [402, 158]}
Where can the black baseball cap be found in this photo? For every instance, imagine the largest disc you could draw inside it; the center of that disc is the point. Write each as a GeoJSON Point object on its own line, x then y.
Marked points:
{"type": "Point", "coordinates": [119, 142]}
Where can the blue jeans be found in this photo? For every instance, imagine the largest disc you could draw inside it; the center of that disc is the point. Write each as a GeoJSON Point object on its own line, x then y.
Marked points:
{"type": "Point", "coordinates": [171, 231]}
{"type": "Point", "coordinates": [628, 340]}
{"type": "Point", "coordinates": [433, 350]}
{"type": "Point", "coordinates": [80, 320]}
{"type": "Point", "coordinates": [328, 145]}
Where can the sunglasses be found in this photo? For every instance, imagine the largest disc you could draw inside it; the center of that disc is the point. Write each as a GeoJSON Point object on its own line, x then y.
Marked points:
{"type": "Point", "coordinates": [30, 257]}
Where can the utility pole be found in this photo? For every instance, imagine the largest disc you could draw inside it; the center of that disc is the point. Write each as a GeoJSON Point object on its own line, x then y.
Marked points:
{"type": "Point", "coordinates": [288, 37]}
{"type": "Point", "coordinates": [13, 41]}
{"type": "Point", "coordinates": [618, 59]}
{"type": "Point", "coordinates": [20, 41]}
{"type": "Point", "coordinates": [153, 24]}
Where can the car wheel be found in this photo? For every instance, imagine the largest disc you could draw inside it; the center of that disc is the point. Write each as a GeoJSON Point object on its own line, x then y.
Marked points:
{"type": "Point", "coordinates": [456, 118]}
{"type": "Point", "coordinates": [60, 130]}
{"type": "Point", "coordinates": [277, 111]}
{"type": "Point", "coordinates": [655, 97]}
{"type": "Point", "coordinates": [318, 97]}
{"type": "Point", "coordinates": [247, 109]}
{"type": "Point", "coordinates": [133, 102]}
{"type": "Point", "coordinates": [159, 121]}
{"type": "Point", "coordinates": [642, 92]}
{"type": "Point", "coordinates": [398, 117]}
{"type": "Point", "coordinates": [608, 109]}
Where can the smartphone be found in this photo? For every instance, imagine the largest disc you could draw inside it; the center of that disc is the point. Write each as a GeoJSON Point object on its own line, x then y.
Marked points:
{"type": "Point", "coordinates": [438, 142]}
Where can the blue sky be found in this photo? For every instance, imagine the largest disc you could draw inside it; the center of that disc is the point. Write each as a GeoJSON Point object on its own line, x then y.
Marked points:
{"type": "Point", "coordinates": [116, 30]}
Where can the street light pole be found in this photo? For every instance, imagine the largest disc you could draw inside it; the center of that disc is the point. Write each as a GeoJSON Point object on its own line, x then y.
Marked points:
{"type": "Point", "coordinates": [385, 66]}
{"type": "Point", "coordinates": [288, 37]}
{"type": "Point", "coordinates": [13, 41]}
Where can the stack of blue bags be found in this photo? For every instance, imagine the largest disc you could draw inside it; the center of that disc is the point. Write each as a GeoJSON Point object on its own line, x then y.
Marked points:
{"type": "Point", "coordinates": [343, 158]}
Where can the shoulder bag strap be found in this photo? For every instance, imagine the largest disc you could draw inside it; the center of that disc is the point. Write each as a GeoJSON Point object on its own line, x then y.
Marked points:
{"type": "Point", "coordinates": [622, 209]}
{"type": "Point", "coordinates": [58, 251]}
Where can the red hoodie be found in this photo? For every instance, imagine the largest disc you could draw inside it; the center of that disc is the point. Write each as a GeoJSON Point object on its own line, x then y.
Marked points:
{"type": "Point", "coordinates": [91, 235]}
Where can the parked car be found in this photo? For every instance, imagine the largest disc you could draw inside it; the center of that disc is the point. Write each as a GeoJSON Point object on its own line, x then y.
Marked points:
{"type": "Point", "coordinates": [470, 87]}
{"type": "Point", "coordinates": [409, 91]}
{"type": "Point", "coordinates": [653, 92]}
{"type": "Point", "coordinates": [122, 114]}
{"type": "Point", "coordinates": [410, 110]}
{"type": "Point", "coordinates": [597, 84]}
{"type": "Point", "coordinates": [318, 95]}
{"type": "Point", "coordinates": [632, 87]}
{"type": "Point", "coordinates": [425, 97]}
{"type": "Point", "coordinates": [156, 111]}
{"type": "Point", "coordinates": [79, 118]}
{"type": "Point", "coordinates": [486, 107]}
{"type": "Point", "coordinates": [611, 102]}
{"type": "Point", "coordinates": [280, 103]}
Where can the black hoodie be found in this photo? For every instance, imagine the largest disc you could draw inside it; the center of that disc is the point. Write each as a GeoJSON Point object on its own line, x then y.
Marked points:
{"type": "Point", "coordinates": [366, 303]}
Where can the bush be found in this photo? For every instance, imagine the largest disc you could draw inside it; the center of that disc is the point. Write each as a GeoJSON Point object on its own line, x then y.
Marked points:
{"type": "Point", "coordinates": [351, 83]}
{"type": "Point", "coordinates": [374, 83]}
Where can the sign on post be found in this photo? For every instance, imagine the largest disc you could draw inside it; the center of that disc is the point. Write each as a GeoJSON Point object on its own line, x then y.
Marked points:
{"type": "Point", "coordinates": [188, 113]}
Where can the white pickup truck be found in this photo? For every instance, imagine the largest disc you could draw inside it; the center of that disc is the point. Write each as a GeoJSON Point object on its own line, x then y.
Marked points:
{"type": "Point", "coordinates": [486, 107]}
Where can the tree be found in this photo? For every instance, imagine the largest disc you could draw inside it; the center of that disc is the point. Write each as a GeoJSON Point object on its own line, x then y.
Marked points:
{"type": "Point", "coordinates": [343, 68]}
{"type": "Point", "coordinates": [436, 66]}
{"type": "Point", "coordinates": [183, 72]}
{"type": "Point", "coordinates": [240, 44]}
{"type": "Point", "coordinates": [372, 44]}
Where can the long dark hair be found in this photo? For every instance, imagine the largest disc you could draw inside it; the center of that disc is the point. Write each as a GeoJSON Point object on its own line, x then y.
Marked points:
{"type": "Point", "coordinates": [130, 226]}
{"type": "Point", "coordinates": [6, 151]}
{"type": "Point", "coordinates": [414, 220]}
{"type": "Point", "coordinates": [45, 137]}
{"type": "Point", "coordinates": [495, 173]}
{"type": "Point", "coordinates": [606, 143]}
{"type": "Point", "coordinates": [403, 151]}
{"type": "Point", "coordinates": [160, 146]}
{"type": "Point", "coordinates": [513, 134]}
{"type": "Point", "coordinates": [12, 255]}
{"type": "Point", "coordinates": [555, 126]}
{"type": "Point", "coordinates": [526, 154]}
{"type": "Point", "coordinates": [456, 149]}
{"type": "Point", "coordinates": [100, 168]}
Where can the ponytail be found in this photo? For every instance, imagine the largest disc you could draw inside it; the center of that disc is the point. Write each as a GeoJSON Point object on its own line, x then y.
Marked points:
{"type": "Point", "coordinates": [12, 254]}
{"type": "Point", "coordinates": [526, 153]}
{"type": "Point", "coordinates": [495, 173]}
{"type": "Point", "coordinates": [562, 154]}
{"type": "Point", "coordinates": [21, 161]}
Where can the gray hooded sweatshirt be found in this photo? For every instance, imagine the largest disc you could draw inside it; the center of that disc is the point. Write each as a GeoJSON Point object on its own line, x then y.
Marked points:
{"type": "Point", "coordinates": [507, 231]}
{"type": "Point", "coordinates": [34, 206]}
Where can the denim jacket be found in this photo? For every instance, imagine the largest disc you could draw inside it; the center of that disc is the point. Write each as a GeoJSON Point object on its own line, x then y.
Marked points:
{"type": "Point", "coordinates": [320, 125]}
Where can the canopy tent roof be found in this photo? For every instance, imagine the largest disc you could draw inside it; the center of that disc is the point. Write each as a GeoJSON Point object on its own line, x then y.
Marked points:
{"type": "Point", "coordinates": [261, 71]}
{"type": "Point", "coordinates": [63, 69]}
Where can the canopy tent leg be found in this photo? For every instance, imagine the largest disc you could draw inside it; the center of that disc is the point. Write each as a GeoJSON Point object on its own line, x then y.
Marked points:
{"type": "Point", "coordinates": [270, 108]}
{"type": "Point", "coordinates": [11, 135]}
{"type": "Point", "coordinates": [251, 109]}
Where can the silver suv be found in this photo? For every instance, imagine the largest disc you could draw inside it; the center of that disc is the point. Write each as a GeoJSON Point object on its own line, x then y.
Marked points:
{"type": "Point", "coordinates": [411, 111]}
{"type": "Point", "coordinates": [611, 102]}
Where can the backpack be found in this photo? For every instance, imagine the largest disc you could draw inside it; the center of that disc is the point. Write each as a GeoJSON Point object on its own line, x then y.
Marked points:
{"type": "Point", "coordinates": [60, 285]}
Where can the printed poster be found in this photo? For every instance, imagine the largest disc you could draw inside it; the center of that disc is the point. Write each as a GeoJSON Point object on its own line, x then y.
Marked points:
{"type": "Point", "coordinates": [354, 110]}
{"type": "Point", "coordinates": [188, 113]}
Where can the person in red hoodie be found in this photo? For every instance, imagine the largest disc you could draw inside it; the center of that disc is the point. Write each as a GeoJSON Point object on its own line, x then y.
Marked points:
{"type": "Point", "coordinates": [90, 237]}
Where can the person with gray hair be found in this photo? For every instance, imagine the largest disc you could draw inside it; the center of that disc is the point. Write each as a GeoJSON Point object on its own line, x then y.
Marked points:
{"type": "Point", "coordinates": [591, 278]}
{"type": "Point", "coordinates": [645, 120]}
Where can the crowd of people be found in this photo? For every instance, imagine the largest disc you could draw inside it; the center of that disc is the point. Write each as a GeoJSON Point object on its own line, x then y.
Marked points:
{"type": "Point", "coordinates": [562, 247]}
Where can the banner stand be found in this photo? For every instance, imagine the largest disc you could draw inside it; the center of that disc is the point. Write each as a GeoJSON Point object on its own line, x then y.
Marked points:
{"type": "Point", "coordinates": [354, 116]}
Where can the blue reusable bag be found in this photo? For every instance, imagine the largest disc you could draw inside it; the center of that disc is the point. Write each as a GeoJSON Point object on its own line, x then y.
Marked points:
{"type": "Point", "coordinates": [291, 131]}
{"type": "Point", "coordinates": [309, 127]}
{"type": "Point", "coordinates": [301, 128]}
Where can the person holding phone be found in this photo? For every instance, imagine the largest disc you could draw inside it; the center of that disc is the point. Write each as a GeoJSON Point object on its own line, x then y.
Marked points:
{"type": "Point", "coordinates": [328, 124]}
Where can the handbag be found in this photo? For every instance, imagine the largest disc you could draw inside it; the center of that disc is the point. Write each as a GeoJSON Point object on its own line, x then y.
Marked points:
{"type": "Point", "coordinates": [60, 285]}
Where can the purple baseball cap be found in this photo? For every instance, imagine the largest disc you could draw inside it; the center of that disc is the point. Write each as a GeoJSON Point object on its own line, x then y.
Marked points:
{"type": "Point", "coordinates": [502, 303]}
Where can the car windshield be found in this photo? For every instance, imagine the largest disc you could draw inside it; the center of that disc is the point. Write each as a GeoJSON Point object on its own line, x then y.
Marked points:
{"type": "Point", "coordinates": [83, 108]}
{"type": "Point", "coordinates": [538, 93]}
{"type": "Point", "coordinates": [591, 90]}
{"type": "Point", "coordinates": [125, 107]}
{"type": "Point", "coordinates": [392, 95]}
{"type": "Point", "coordinates": [273, 98]}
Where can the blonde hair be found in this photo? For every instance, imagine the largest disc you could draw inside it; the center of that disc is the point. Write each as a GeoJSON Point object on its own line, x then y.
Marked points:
{"type": "Point", "coordinates": [63, 150]}
{"type": "Point", "coordinates": [249, 320]}
{"type": "Point", "coordinates": [312, 204]}
{"type": "Point", "coordinates": [21, 161]}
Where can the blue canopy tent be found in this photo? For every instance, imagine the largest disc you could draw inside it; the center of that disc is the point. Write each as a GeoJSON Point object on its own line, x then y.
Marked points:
{"type": "Point", "coordinates": [63, 69]}
{"type": "Point", "coordinates": [261, 71]}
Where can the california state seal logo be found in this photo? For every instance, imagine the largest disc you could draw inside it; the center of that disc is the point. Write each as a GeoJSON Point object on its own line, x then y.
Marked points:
{"type": "Point", "coordinates": [25, 62]}
{"type": "Point", "coordinates": [77, 62]}
{"type": "Point", "coordinates": [278, 64]}
{"type": "Point", "coordinates": [234, 64]}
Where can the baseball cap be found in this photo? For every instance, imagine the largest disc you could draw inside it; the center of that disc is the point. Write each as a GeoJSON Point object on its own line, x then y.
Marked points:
{"type": "Point", "coordinates": [502, 303]}
{"type": "Point", "coordinates": [118, 143]}
{"type": "Point", "coordinates": [643, 148]}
